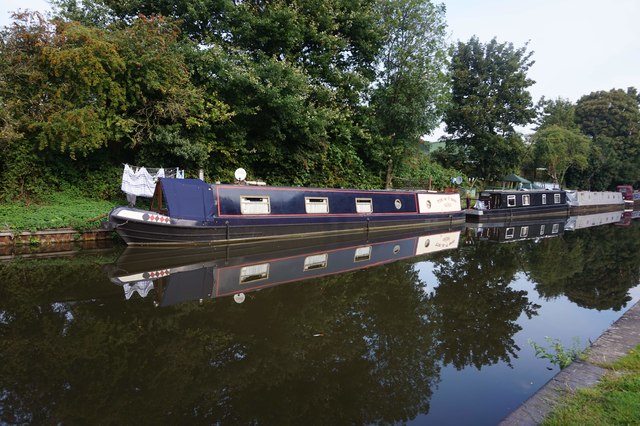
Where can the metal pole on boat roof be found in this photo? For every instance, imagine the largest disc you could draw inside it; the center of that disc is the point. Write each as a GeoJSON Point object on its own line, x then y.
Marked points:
{"type": "Point", "coordinates": [201, 174]}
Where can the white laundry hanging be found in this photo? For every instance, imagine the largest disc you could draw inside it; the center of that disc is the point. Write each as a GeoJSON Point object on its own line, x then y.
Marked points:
{"type": "Point", "coordinates": [140, 182]}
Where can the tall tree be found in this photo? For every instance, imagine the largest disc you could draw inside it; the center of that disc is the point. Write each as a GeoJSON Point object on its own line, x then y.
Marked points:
{"type": "Point", "coordinates": [558, 148]}
{"type": "Point", "coordinates": [74, 91]}
{"type": "Point", "coordinates": [559, 112]}
{"type": "Point", "coordinates": [489, 99]}
{"type": "Point", "coordinates": [411, 89]}
{"type": "Point", "coordinates": [612, 120]}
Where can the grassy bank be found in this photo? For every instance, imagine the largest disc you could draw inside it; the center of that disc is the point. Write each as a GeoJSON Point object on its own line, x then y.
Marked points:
{"type": "Point", "coordinates": [67, 209]}
{"type": "Point", "coordinates": [613, 401]}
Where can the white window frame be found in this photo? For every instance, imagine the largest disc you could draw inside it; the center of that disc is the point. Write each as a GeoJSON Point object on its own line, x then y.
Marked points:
{"type": "Point", "coordinates": [544, 198]}
{"type": "Point", "coordinates": [253, 273]}
{"type": "Point", "coordinates": [556, 198]}
{"type": "Point", "coordinates": [555, 229]}
{"type": "Point", "coordinates": [542, 229]}
{"type": "Point", "coordinates": [251, 204]}
{"type": "Point", "coordinates": [524, 232]}
{"type": "Point", "coordinates": [511, 200]}
{"type": "Point", "coordinates": [316, 261]}
{"type": "Point", "coordinates": [362, 254]}
{"type": "Point", "coordinates": [509, 233]}
{"type": "Point", "coordinates": [364, 205]}
{"type": "Point", "coordinates": [316, 205]}
{"type": "Point", "coordinates": [526, 200]}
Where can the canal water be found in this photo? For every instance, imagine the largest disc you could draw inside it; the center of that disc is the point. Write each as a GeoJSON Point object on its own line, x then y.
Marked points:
{"type": "Point", "coordinates": [431, 327]}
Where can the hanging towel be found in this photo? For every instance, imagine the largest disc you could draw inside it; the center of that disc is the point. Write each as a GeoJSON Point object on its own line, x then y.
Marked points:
{"type": "Point", "coordinates": [140, 182]}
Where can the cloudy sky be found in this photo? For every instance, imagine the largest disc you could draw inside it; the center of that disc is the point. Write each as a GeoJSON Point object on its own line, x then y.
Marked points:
{"type": "Point", "coordinates": [579, 46]}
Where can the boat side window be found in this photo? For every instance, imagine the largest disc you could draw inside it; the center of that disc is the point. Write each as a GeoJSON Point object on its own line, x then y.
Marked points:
{"type": "Point", "coordinates": [556, 198]}
{"type": "Point", "coordinates": [316, 204]}
{"type": "Point", "coordinates": [255, 205]}
{"type": "Point", "coordinates": [544, 198]}
{"type": "Point", "coordinates": [511, 200]}
{"type": "Point", "coordinates": [249, 274]}
{"type": "Point", "coordinates": [541, 229]}
{"type": "Point", "coordinates": [526, 200]}
{"type": "Point", "coordinates": [316, 261]}
{"type": "Point", "coordinates": [364, 205]}
{"type": "Point", "coordinates": [555, 229]}
{"type": "Point", "coordinates": [524, 231]}
{"type": "Point", "coordinates": [362, 254]}
{"type": "Point", "coordinates": [508, 234]}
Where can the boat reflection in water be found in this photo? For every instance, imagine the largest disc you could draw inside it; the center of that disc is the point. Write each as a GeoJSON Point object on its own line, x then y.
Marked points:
{"type": "Point", "coordinates": [520, 230]}
{"type": "Point", "coordinates": [175, 275]}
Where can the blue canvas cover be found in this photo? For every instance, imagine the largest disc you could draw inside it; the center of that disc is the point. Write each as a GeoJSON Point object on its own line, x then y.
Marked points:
{"type": "Point", "coordinates": [188, 198]}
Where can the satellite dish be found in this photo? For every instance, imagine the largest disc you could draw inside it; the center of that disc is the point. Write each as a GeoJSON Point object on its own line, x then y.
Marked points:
{"type": "Point", "coordinates": [241, 174]}
{"type": "Point", "coordinates": [238, 297]}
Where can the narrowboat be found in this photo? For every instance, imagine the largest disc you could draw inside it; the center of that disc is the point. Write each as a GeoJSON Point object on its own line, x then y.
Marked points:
{"type": "Point", "coordinates": [190, 211]}
{"type": "Point", "coordinates": [501, 205]}
{"type": "Point", "coordinates": [171, 275]}
{"type": "Point", "coordinates": [518, 230]}
{"type": "Point", "coordinates": [596, 219]}
{"type": "Point", "coordinates": [585, 202]}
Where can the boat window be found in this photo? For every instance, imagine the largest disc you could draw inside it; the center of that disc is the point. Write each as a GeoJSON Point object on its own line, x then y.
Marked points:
{"type": "Point", "coordinates": [556, 198]}
{"type": "Point", "coordinates": [524, 231]}
{"type": "Point", "coordinates": [544, 198]}
{"type": "Point", "coordinates": [555, 228]}
{"type": "Point", "coordinates": [541, 229]}
{"type": "Point", "coordinates": [526, 200]}
{"type": "Point", "coordinates": [362, 254]}
{"type": "Point", "coordinates": [317, 261]}
{"type": "Point", "coordinates": [364, 205]}
{"type": "Point", "coordinates": [316, 205]}
{"type": "Point", "coordinates": [508, 234]}
{"type": "Point", "coordinates": [255, 205]}
{"type": "Point", "coordinates": [249, 274]}
{"type": "Point", "coordinates": [511, 200]}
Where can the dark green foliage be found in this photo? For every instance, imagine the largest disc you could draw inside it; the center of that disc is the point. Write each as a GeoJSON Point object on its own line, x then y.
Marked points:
{"type": "Point", "coordinates": [489, 99]}
{"type": "Point", "coordinates": [612, 120]}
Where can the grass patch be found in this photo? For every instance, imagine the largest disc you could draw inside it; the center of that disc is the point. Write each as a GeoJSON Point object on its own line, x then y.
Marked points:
{"type": "Point", "coordinates": [66, 209]}
{"type": "Point", "coordinates": [613, 401]}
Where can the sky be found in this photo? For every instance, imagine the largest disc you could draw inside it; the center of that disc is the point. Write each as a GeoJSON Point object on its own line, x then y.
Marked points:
{"type": "Point", "coordinates": [579, 46]}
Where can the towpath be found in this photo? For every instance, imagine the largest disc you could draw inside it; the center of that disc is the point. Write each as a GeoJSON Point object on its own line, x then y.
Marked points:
{"type": "Point", "coordinates": [617, 341]}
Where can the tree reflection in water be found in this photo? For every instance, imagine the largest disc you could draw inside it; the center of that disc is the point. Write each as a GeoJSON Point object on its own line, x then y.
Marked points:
{"type": "Point", "coordinates": [354, 348]}
{"type": "Point", "coordinates": [473, 310]}
{"type": "Point", "coordinates": [362, 347]}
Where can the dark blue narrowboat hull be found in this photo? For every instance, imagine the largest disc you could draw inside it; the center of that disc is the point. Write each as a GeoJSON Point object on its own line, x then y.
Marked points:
{"type": "Point", "coordinates": [507, 205]}
{"type": "Point", "coordinates": [193, 212]}
{"type": "Point", "coordinates": [505, 215]}
{"type": "Point", "coordinates": [257, 228]}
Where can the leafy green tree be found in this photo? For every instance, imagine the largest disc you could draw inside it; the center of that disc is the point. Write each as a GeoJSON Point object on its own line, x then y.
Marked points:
{"type": "Point", "coordinates": [489, 99]}
{"type": "Point", "coordinates": [411, 88]}
{"type": "Point", "coordinates": [559, 112]}
{"type": "Point", "coordinates": [612, 120]}
{"type": "Point", "coordinates": [558, 148]}
{"type": "Point", "coordinates": [73, 92]}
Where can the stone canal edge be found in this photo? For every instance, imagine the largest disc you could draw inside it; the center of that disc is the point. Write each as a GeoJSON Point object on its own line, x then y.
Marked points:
{"type": "Point", "coordinates": [622, 336]}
